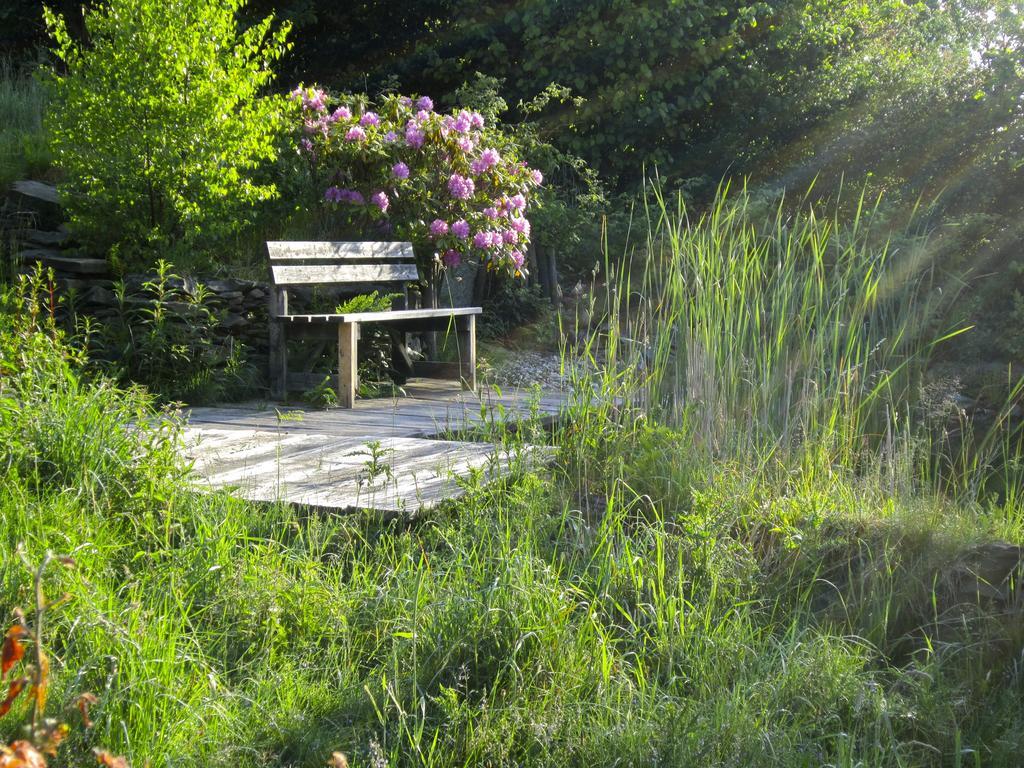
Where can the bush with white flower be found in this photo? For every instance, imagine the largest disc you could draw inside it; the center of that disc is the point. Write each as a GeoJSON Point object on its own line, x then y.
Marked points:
{"type": "Point", "coordinates": [449, 183]}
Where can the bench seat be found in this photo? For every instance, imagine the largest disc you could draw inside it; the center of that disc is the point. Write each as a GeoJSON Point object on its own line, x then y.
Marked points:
{"type": "Point", "coordinates": [391, 316]}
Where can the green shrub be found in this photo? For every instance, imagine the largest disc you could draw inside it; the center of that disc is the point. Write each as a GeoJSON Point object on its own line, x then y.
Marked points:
{"type": "Point", "coordinates": [159, 124]}
{"type": "Point", "coordinates": [166, 340]}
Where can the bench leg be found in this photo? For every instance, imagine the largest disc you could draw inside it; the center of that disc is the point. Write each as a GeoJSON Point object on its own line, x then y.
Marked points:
{"type": "Point", "coordinates": [467, 353]}
{"type": "Point", "coordinates": [278, 362]}
{"type": "Point", "coordinates": [348, 363]}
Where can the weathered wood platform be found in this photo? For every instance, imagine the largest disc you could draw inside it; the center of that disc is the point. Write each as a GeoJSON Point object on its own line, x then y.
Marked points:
{"type": "Point", "coordinates": [401, 454]}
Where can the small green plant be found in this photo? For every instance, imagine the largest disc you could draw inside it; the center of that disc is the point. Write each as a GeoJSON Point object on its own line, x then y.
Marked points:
{"type": "Point", "coordinates": [367, 302]}
{"type": "Point", "coordinates": [375, 465]}
{"type": "Point", "coordinates": [323, 395]}
{"type": "Point", "coordinates": [160, 123]}
{"type": "Point", "coordinates": [165, 338]}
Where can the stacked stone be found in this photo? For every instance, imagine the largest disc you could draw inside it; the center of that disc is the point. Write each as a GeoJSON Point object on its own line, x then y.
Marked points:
{"type": "Point", "coordinates": [33, 216]}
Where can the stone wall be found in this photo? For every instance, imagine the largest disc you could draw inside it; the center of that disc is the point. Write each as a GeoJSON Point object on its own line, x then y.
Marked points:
{"type": "Point", "coordinates": [240, 306]}
{"type": "Point", "coordinates": [31, 219]}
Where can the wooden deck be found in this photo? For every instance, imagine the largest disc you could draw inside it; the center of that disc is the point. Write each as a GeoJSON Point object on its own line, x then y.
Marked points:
{"type": "Point", "coordinates": [401, 454]}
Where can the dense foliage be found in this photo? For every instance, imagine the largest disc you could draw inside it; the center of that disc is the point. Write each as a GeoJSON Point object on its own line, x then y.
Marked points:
{"type": "Point", "coordinates": [697, 87]}
{"type": "Point", "coordinates": [160, 121]}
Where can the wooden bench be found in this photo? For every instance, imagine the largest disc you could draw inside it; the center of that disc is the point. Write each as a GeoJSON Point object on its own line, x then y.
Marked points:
{"type": "Point", "coordinates": [294, 264]}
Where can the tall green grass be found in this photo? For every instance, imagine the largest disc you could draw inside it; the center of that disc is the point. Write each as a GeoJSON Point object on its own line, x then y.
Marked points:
{"type": "Point", "coordinates": [703, 577]}
{"type": "Point", "coordinates": [780, 334]}
{"type": "Point", "coordinates": [23, 148]}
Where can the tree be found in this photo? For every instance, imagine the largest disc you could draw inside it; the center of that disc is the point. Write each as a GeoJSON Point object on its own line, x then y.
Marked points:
{"type": "Point", "coordinates": [159, 125]}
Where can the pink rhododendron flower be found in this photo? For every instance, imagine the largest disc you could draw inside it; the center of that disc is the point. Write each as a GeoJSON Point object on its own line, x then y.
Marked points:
{"type": "Point", "coordinates": [463, 122]}
{"type": "Point", "coordinates": [355, 133]}
{"type": "Point", "coordinates": [306, 146]}
{"type": "Point", "coordinates": [482, 239]}
{"type": "Point", "coordinates": [491, 212]}
{"type": "Point", "coordinates": [521, 225]}
{"type": "Point", "coordinates": [405, 101]}
{"type": "Point", "coordinates": [537, 177]}
{"type": "Point", "coordinates": [438, 228]}
{"type": "Point", "coordinates": [487, 160]}
{"type": "Point", "coordinates": [516, 203]}
{"type": "Point", "coordinates": [314, 99]}
{"type": "Point", "coordinates": [510, 236]}
{"type": "Point", "coordinates": [451, 258]}
{"type": "Point", "coordinates": [380, 199]}
{"type": "Point", "coordinates": [400, 171]}
{"type": "Point", "coordinates": [517, 259]}
{"type": "Point", "coordinates": [461, 187]}
{"type": "Point", "coordinates": [424, 103]}
{"type": "Point", "coordinates": [461, 229]}
{"type": "Point", "coordinates": [368, 119]}
{"type": "Point", "coordinates": [390, 137]}
{"type": "Point", "coordinates": [465, 144]}
{"type": "Point", "coordinates": [422, 116]}
{"type": "Point", "coordinates": [338, 195]}
{"type": "Point", "coordinates": [414, 137]}
{"type": "Point", "coordinates": [341, 113]}
{"type": "Point", "coordinates": [477, 120]}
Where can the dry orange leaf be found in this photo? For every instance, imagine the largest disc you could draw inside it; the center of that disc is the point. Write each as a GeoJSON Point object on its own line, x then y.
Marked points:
{"type": "Point", "coordinates": [107, 760]}
{"type": "Point", "coordinates": [84, 702]}
{"type": "Point", "coordinates": [338, 760]}
{"type": "Point", "coordinates": [51, 736]}
{"type": "Point", "coordinates": [13, 690]}
{"type": "Point", "coordinates": [41, 682]}
{"type": "Point", "coordinates": [13, 650]}
{"type": "Point", "coordinates": [21, 754]}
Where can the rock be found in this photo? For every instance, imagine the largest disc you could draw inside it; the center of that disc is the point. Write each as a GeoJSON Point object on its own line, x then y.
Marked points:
{"type": "Point", "coordinates": [233, 322]}
{"type": "Point", "coordinates": [45, 239]}
{"type": "Point", "coordinates": [97, 294]}
{"type": "Point", "coordinates": [256, 293]}
{"type": "Point", "coordinates": [230, 295]}
{"type": "Point", "coordinates": [222, 286]}
{"type": "Point", "coordinates": [61, 263]}
{"type": "Point", "coordinates": [37, 190]}
{"type": "Point", "coordinates": [39, 200]}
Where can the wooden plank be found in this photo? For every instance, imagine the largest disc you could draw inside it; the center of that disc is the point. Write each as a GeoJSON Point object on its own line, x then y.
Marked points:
{"type": "Point", "coordinates": [314, 274]}
{"type": "Point", "coordinates": [299, 250]}
{"type": "Point", "coordinates": [388, 316]}
{"type": "Point", "coordinates": [277, 360]}
{"type": "Point", "coordinates": [347, 364]}
{"type": "Point", "coordinates": [325, 472]}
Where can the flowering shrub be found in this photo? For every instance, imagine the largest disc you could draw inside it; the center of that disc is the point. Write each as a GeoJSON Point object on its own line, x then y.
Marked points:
{"type": "Point", "coordinates": [449, 183]}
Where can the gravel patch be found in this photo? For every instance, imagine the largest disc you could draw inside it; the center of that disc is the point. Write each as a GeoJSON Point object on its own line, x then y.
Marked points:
{"type": "Point", "coordinates": [526, 369]}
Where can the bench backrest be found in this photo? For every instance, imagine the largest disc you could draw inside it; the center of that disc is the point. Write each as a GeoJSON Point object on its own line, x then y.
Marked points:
{"type": "Point", "coordinates": [325, 263]}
